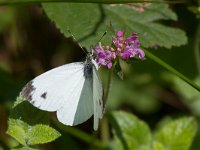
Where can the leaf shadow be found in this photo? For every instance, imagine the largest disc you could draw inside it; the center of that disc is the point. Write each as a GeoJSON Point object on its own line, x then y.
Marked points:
{"type": "Point", "coordinates": [96, 26]}
{"type": "Point", "coordinates": [29, 114]}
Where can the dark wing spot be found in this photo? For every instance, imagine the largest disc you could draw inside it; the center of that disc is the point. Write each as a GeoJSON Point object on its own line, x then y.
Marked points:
{"type": "Point", "coordinates": [100, 103]}
{"type": "Point", "coordinates": [44, 95]}
{"type": "Point", "coordinates": [28, 90]}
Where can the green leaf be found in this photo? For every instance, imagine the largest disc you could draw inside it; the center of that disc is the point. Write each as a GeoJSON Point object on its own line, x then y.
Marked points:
{"type": "Point", "coordinates": [154, 13]}
{"type": "Point", "coordinates": [177, 135]}
{"type": "Point", "coordinates": [88, 22]}
{"type": "Point", "coordinates": [17, 129]}
{"type": "Point", "coordinates": [31, 135]}
{"type": "Point", "coordinates": [25, 148]}
{"type": "Point", "coordinates": [82, 20]}
{"type": "Point", "coordinates": [132, 133]}
{"type": "Point", "coordinates": [27, 124]}
{"type": "Point", "coordinates": [158, 146]}
{"type": "Point", "coordinates": [18, 101]}
{"type": "Point", "coordinates": [40, 134]}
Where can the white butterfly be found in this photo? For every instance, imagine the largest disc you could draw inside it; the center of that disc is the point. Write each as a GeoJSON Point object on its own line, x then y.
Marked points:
{"type": "Point", "coordinates": [73, 90]}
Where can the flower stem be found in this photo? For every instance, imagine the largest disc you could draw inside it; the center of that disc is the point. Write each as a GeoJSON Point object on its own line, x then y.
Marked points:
{"type": "Point", "coordinates": [105, 135]}
{"type": "Point", "coordinates": [108, 85]}
{"type": "Point", "coordinates": [104, 125]}
{"type": "Point", "coordinates": [81, 135]}
{"type": "Point", "coordinates": [14, 2]}
{"type": "Point", "coordinates": [171, 69]}
{"type": "Point", "coordinates": [109, 82]}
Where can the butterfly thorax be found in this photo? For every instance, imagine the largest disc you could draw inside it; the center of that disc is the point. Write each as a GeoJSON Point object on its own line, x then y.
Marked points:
{"type": "Point", "coordinates": [88, 67]}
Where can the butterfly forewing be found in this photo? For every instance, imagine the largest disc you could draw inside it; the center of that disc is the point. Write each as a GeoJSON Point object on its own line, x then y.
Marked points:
{"type": "Point", "coordinates": [51, 90]}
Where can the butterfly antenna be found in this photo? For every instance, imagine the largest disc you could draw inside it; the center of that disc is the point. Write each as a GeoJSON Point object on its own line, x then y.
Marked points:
{"type": "Point", "coordinates": [78, 42]}
{"type": "Point", "coordinates": [101, 37]}
{"type": "Point", "coordinates": [98, 42]}
{"type": "Point", "coordinates": [91, 47]}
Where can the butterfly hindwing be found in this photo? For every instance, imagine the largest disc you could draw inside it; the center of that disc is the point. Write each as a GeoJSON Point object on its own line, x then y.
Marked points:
{"type": "Point", "coordinates": [79, 106]}
{"type": "Point", "coordinates": [97, 98]}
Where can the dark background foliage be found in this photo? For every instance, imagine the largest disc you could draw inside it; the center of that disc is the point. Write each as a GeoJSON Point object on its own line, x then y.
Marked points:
{"type": "Point", "coordinates": [30, 44]}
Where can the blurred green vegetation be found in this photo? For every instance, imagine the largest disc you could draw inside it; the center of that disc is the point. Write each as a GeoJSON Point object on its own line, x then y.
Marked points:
{"type": "Point", "coordinates": [30, 44]}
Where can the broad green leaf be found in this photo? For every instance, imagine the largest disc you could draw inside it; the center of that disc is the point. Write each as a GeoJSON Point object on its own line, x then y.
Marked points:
{"type": "Point", "coordinates": [88, 22]}
{"type": "Point", "coordinates": [25, 148]}
{"type": "Point", "coordinates": [31, 135]}
{"type": "Point", "coordinates": [154, 12]}
{"type": "Point", "coordinates": [177, 135]}
{"type": "Point", "coordinates": [158, 146]}
{"type": "Point", "coordinates": [18, 130]}
{"type": "Point", "coordinates": [132, 133]}
{"type": "Point", "coordinates": [83, 21]}
{"type": "Point", "coordinates": [40, 134]}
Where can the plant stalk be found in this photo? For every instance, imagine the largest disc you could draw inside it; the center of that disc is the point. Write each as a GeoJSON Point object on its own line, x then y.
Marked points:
{"type": "Point", "coordinates": [14, 2]}
{"type": "Point", "coordinates": [81, 135]}
{"type": "Point", "coordinates": [171, 69]}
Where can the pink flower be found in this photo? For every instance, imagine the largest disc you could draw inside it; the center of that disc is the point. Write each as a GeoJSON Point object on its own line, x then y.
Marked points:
{"type": "Point", "coordinates": [121, 47]}
{"type": "Point", "coordinates": [140, 53]}
{"type": "Point", "coordinates": [104, 56]}
{"type": "Point", "coordinates": [132, 38]}
{"type": "Point", "coordinates": [120, 33]}
{"type": "Point", "coordinates": [126, 54]}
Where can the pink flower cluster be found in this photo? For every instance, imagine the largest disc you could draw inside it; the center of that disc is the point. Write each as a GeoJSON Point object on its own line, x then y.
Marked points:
{"type": "Point", "coordinates": [124, 48]}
